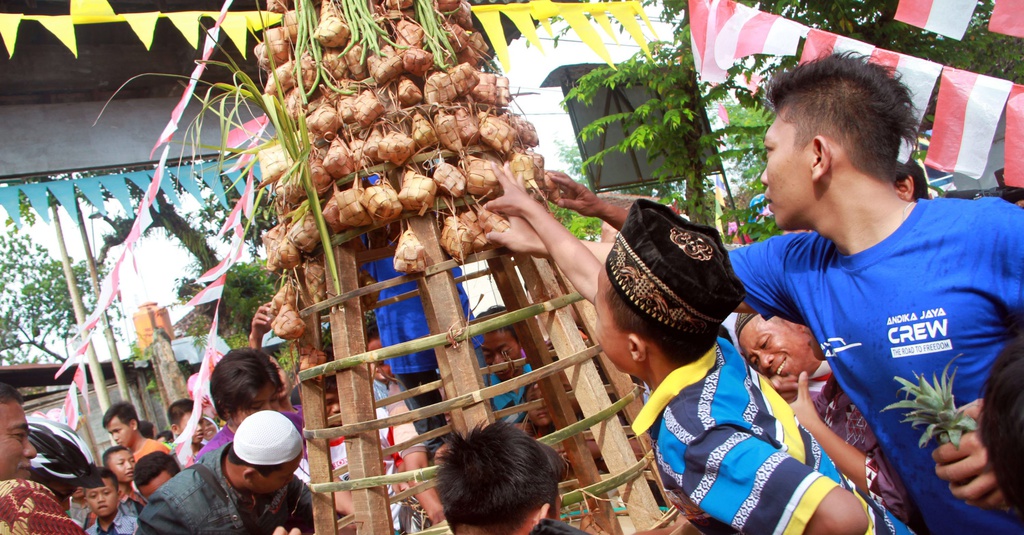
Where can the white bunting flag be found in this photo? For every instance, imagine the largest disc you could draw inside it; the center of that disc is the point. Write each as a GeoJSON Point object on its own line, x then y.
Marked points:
{"type": "Point", "coordinates": [966, 116]}
{"type": "Point", "coordinates": [706, 20]}
{"type": "Point", "coordinates": [749, 31]}
{"type": "Point", "coordinates": [213, 292]}
{"type": "Point", "coordinates": [944, 17]}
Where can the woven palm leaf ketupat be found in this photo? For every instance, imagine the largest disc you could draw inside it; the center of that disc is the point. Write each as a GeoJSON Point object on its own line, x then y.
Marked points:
{"type": "Point", "coordinates": [389, 118]}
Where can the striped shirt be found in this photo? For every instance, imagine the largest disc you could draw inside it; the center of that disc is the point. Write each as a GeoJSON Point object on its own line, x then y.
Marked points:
{"type": "Point", "coordinates": [732, 455]}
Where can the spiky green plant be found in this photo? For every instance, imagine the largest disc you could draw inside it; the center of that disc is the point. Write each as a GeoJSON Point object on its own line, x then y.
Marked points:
{"type": "Point", "coordinates": [932, 405]}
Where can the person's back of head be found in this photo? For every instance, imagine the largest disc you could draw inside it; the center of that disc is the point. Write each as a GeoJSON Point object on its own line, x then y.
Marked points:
{"type": "Point", "coordinates": [1002, 423]}
{"type": "Point", "coordinates": [177, 412]}
{"type": "Point", "coordinates": [238, 379]}
{"type": "Point", "coordinates": [63, 461]}
{"type": "Point", "coordinates": [496, 480]}
{"type": "Point", "coordinates": [153, 470]}
{"type": "Point", "coordinates": [857, 103]}
{"type": "Point", "coordinates": [147, 429]}
{"type": "Point", "coordinates": [671, 283]}
{"type": "Point", "coordinates": [912, 174]}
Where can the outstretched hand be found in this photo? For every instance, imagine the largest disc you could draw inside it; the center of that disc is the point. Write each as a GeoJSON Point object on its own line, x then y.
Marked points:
{"type": "Point", "coordinates": [967, 470]}
{"type": "Point", "coordinates": [575, 196]}
{"type": "Point", "coordinates": [260, 326]}
{"type": "Point", "coordinates": [514, 204]}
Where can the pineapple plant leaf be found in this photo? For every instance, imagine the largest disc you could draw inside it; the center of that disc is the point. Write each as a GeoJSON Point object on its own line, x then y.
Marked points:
{"type": "Point", "coordinates": [931, 404]}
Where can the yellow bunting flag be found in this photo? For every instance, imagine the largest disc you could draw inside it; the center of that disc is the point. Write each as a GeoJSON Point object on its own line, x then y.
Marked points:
{"type": "Point", "coordinates": [606, 25]}
{"type": "Point", "coordinates": [573, 14]}
{"type": "Point", "coordinates": [626, 14]}
{"type": "Point", "coordinates": [91, 11]}
{"type": "Point", "coordinates": [236, 26]}
{"type": "Point", "coordinates": [490, 19]}
{"type": "Point", "coordinates": [62, 28]}
{"type": "Point", "coordinates": [9, 30]}
{"type": "Point", "coordinates": [187, 22]}
{"type": "Point", "coordinates": [522, 19]}
{"type": "Point", "coordinates": [144, 25]}
{"type": "Point", "coordinates": [261, 20]}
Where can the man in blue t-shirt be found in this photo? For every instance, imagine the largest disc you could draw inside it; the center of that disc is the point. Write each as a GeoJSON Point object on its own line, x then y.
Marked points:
{"type": "Point", "coordinates": [888, 287]}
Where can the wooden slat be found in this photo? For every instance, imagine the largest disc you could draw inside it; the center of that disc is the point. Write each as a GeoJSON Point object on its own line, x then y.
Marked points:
{"type": "Point", "coordinates": [531, 338]}
{"type": "Point", "coordinates": [444, 313]}
{"type": "Point", "coordinates": [355, 389]}
{"type": "Point", "coordinates": [586, 381]}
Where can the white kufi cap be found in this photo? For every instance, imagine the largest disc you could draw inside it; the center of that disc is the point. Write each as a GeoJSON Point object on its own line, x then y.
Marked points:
{"type": "Point", "coordinates": [267, 438]}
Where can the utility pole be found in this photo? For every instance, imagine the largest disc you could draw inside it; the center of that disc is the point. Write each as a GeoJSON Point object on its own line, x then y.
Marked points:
{"type": "Point", "coordinates": [98, 380]}
{"type": "Point", "coordinates": [108, 333]}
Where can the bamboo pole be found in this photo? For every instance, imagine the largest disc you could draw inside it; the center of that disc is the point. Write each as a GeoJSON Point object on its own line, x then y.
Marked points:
{"type": "Point", "coordinates": [437, 340]}
{"type": "Point", "coordinates": [108, 333]}
{"type": "Point", "coordinates": [76, 300]}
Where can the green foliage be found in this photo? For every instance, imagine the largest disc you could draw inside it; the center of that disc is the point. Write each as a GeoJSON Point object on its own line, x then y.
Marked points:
{"type": "Point", "coordinates": [931, 405]}
{"type": "Point", "coordinates": [36, 313]}
{"type": "Point", "coordinates": [668, 124]}
{"type": "Point", "coordinates": [248, 286]}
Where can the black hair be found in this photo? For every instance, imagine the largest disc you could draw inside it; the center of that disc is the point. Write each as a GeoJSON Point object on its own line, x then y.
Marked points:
{"type": "Point", "coordinates": [107, 474]}
{"type": "Point", "coordinates": [493, 311]}
{"type": "Point", "coordinates": [264, 470]}
{"type": "Point", "coordinates": [859, 104]}
{"type": "Point", "coordinates": [177, 410]}
{"type": "Point", "coordinates": [238, 377]}
{"type": "Point", "coordinates": [152, 465]}
{"type": "Point", "coordinates": [8, 394]}
{"type": "Point", "coordinates": [164, 436]}
{"type": "Point", "coordinates": [914, 171]}
{"type": "Point", "coordinates": [681, 348]}
{"type": "Point", "coordinates": [112, 450]}
{"type": "Point", "coordinates": [123, 411]}
{"type": "Point", "coordinates": [1002, 425]}
{"type": "Point", "coordinates": [147, 429]}
{"type": "Point", "coordinates": [372, 331]}
{"type": "Point", "coordinates": [494, 477]}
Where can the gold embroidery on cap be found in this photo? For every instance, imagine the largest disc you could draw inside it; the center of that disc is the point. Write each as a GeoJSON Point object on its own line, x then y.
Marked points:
{"type": "Point", "coordinates": [695, 247]}
{"type": "Point", "coordinates": [650, 294]}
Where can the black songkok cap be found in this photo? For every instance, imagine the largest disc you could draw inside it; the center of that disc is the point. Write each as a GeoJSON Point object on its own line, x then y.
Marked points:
{"type": "Point", "coordinates": [673, 272]}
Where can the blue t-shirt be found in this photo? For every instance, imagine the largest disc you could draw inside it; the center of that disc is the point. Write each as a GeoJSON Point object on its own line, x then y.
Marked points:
{"type": "Point", "coordinates": [946, 284]}
{"type": "Point", "coordinates": [405, 320]}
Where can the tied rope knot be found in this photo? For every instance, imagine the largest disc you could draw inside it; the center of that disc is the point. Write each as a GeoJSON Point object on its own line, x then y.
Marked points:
{"type": "Point", "coordinates": [454, 332]}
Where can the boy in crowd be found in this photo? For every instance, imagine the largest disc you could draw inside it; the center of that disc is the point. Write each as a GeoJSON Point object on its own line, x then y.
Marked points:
{"type": "Point", "coordinates": [501, 348]}
{"type": "Point", "coordinates": [730, 452]}
{"type": "Point", "coordinates": [178, 415]}
{"type": "Point", "coordinates": [104, 504]}
{"type": "Point", "coordinates": [497, 480]}
{"type": "Point", "coordinates": [154, 470]}
{"type": "Point", "coordinates": [119, 460]}
{"type": "Point", "coordinates": [245, 487]}
{"type": "Point", "coordinates": [122, 422]}
{"type": "Point", "coordinates": [1002, 427]}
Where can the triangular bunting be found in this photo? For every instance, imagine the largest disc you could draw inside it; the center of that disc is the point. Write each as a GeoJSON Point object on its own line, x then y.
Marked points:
{"type": "Point", "coordinates": [627, 17]}
{"type": "Point", "coordinates": [64, 192]}
{"type": "Point", "coordinates": [605, 24]}
{"type": "Point", "coordinates": [573, 14]}
{"type": "Point", "coordinates": [90, 188]}
{"type": "Point", "coordinates": [144, 26]}
{"type": "Point", "coordinates": [39, 199]}
{"type": "Point", "coordinates": [141, 179]}
{"type": "Point", "coordinates": [237, 181]}
{"type": "Point", "coordinates": [491, 22]}
{"type": "Point", "coordinates": [117, 187]}
{"type": "Point", "coordinates": [9, 23]}
{"type": "Point", "coordinates": [523, 21]}
{"type": "Point", "coordinates": [261, 20]}
{"type": "Point", "coordinates": [10, 199]}
{"type": "Point", "coordinates": [213, 180]}
{"type": "Point", "coordinates": [62, 28]}
{"type": "Point", "coordinates": [188, 182]}
{"type": "Point", "coordinates": [187, 22]}
{"type": "Point", "coordinates": [236, 26]}
{"type": "Point", "coordinates": [89, 9]}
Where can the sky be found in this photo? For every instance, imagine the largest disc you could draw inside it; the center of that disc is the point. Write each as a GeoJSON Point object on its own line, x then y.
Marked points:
{"type": "Point", "coordinates": [161, 261]}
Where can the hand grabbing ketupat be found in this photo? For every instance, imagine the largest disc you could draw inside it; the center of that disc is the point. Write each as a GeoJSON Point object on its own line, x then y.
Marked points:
{"type": "Point", "coordinates": [718, 429]}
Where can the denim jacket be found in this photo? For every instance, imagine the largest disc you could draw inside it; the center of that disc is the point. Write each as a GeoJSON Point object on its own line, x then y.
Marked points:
{"type": "Point", "coordinates": [186, 504]}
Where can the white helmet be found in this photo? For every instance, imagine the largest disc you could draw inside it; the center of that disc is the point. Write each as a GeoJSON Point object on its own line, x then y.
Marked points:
{"type": "Point", "coordinates": [61, 455]}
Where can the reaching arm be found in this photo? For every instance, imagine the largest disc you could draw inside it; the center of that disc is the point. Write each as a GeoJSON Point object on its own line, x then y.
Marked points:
{"type": "Point", "coordinates": [578, 198]}
{"type": "Point", "coordinates": [572, 257]}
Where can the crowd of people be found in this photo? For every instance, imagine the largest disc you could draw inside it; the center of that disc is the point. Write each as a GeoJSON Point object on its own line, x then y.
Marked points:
{"type": "Point", "coordinates": [777, 426]}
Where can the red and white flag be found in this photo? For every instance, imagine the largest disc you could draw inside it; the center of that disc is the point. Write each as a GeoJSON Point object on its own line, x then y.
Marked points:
{"type": "Point", "coordinates": [707, 19]}
{"type": "Point", "coordinates": [966, 116]}
{"type": "Point", "coordinates": [83, 386]}
{"type": "Point", "coordinates": [1008, 18]}
{"type": "Point", "coordinates": [69, 412]}
{"type": "Point", "coordinates": [1013, 173]}
{"type": "Point", "coordinates": [723, 114]}
{"type": "Point", "coordinates": [213, 292]}
{"type": "Point", "coordinates": [749, 31]}
{"type": "Point", "coordinates": [944, 17]}
{"type": "Point", "coordinates": [183, 443]}
{"type": "Point", "coordinates": [821, 43]}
